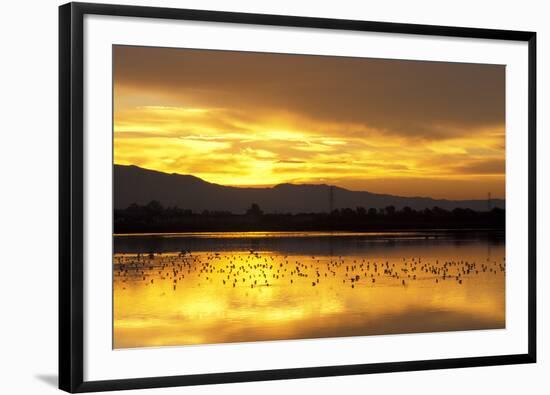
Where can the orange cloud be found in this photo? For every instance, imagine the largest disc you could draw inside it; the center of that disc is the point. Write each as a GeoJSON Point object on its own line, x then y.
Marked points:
{"type": "Point", "coordinates": [288, 118]}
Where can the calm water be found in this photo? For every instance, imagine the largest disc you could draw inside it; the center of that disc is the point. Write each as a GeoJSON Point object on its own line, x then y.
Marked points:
{"type": "Point", "coordinates": [197, 288]}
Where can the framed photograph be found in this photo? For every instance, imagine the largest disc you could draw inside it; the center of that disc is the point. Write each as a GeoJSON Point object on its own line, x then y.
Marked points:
{"type": "Point", "coordinates": [251, 197]}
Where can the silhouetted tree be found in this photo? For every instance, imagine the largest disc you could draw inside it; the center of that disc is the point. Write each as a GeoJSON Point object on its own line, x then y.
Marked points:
{"type": "Point", "coordinates": [254, 210]}
{"type": "Point", "coordinates": [390, 210]}
{"type": "Point", "coordinates": [440, 212]}
{"type": "Point", "coordinates": [347, 212]}
{"type": "Point", "coordinates": [407, 210]}
{"type": "Point", "coordinates": [154, 207]}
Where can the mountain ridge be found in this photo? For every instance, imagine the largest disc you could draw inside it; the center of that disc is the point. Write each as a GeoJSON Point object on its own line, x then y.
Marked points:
{"type": "Point", "coordinates": [134, 184]}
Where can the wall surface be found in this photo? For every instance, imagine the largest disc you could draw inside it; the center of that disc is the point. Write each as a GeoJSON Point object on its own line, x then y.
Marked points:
{"type": "Point", "coordinates": [28, 195]}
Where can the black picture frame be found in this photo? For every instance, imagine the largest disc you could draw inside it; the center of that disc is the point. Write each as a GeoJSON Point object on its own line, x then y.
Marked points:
{"type": "Point", "coordinates": [71, 174]}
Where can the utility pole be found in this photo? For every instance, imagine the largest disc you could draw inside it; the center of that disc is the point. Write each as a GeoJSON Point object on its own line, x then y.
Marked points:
{"type": "Point", "coordinates": [331, 199]}
{"type": "Point", "coordinates": [489, 201]}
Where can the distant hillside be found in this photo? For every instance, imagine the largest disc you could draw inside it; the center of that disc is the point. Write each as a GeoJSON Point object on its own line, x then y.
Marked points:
{"type": "Point", "coordinates": [133, 184]}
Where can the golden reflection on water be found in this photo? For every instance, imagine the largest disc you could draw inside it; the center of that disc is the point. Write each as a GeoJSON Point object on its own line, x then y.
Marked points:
{"type": "Point", "coordinates": [205, 297]}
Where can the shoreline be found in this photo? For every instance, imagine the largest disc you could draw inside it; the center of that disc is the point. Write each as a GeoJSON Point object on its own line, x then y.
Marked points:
{"type": "Point", "coordinates": [317, 232]}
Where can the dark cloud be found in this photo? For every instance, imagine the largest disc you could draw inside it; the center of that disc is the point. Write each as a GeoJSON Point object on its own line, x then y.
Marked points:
{"type": "Point", "coordinates": [291, 161]}
{"type": "Point", "coordinates": [431, 100]}
{"type": "Point", "coordinates": [494, 166]}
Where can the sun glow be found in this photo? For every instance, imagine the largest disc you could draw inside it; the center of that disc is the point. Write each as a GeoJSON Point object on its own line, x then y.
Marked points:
{"type": "Point", "coordinates": [226, 134]}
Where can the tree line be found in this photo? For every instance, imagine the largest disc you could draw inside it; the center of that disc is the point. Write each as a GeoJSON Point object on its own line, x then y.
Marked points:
{"type": "Point", "coordinates": [154, 217]}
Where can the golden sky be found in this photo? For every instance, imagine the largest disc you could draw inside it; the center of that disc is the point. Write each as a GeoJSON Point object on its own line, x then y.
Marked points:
{"type": "Point", "coordinates": [388, 126]}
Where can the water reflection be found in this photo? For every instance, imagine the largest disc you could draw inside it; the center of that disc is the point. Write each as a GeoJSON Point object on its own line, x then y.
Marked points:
{"type": "Point", "coordinates": [215, 288]}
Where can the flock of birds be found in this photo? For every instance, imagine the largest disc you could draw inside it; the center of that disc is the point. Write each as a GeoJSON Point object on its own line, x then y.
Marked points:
{"type": "Point", "coordinates": [253, 269]}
